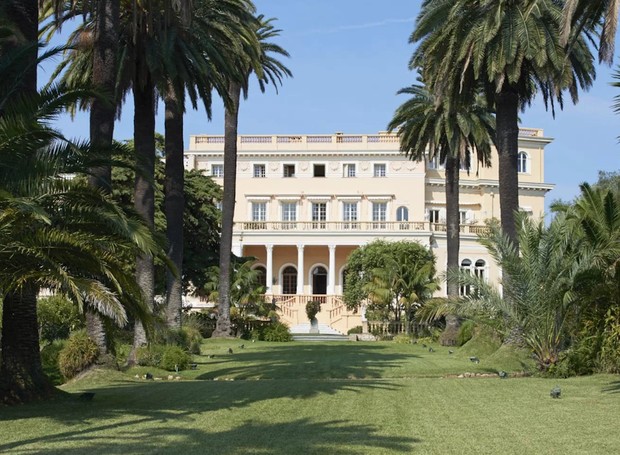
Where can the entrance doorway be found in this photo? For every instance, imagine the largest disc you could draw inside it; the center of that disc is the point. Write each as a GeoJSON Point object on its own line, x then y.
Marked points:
{"type": "Point", "coordinates": [319, 281]}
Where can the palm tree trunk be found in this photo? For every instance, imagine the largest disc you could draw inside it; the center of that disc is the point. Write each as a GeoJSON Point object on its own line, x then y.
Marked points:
{"type": "Point", "coordinates": [21, 374]}
{"type": "Point", "coordinates": [144, 194]}
{"type": "Point", "coordinates": [449, 335]}
{"type": "Point", "coordinates": [223, 328]}
{"type": "Point", "coordinates": [507, 118]}
{"type": "Point", "coordinates": [174, 206]}
{"type": "Point", "coordinates": [24, 14]}
{"type": "Point", "coordinates": [102, 114]}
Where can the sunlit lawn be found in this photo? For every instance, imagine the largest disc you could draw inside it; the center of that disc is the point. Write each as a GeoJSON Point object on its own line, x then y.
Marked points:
{"type": "Point", "coordinates": [336, 398]}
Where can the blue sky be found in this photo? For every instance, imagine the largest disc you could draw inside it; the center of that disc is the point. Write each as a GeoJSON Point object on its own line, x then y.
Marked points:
{"type": "Point", "coordinates": [349, 58]}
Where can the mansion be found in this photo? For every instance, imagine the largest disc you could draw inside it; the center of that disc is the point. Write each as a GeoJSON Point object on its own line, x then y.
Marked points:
{"type": "Point", "coordinates": [305, 202]}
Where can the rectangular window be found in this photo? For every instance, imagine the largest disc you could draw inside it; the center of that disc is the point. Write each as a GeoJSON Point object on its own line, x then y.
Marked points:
{"type": "Point", "coordinates": [217, 170]}
{"type": "Point", "coordinates": [379, 170]}
{"type": "Point", "coordinates": [463, 216]}
{"type": "Point", "coordinates": [289, 215]}
{"type": "Point", "coordinates": [259, 215]}
{"type": "Point", "coordinates": [349, 215]}
{"type": "Point", "coordinates": [289, 170]}
{"type": "Point", "coordinates": [433, 215]}
{"type": "Point", "coordinates": [379, 215]}
{"type": "Point", "coordinates": [259, 171]}
{"type": "Point", "coordinates": [319, 170]}
{"type": "Point", "coordinates": [319, 215]}
{"type": "Point", "coordinates": [349, 170]}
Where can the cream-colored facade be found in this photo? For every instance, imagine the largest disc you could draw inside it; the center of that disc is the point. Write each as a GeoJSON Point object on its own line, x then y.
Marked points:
{"type": "Point", "coordinates": [304, 202]}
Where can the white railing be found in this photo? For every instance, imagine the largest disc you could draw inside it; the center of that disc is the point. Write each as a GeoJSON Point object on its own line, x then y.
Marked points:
{"type": "Point", "coordinates": [354, 226]}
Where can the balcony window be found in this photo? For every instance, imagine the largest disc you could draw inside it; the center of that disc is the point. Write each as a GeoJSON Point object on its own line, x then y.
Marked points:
{"type": "Point", "coordinates": [433, 215]}
{"type": "Point", "coordinates": [289, 215]}
{"type": "Point", "coordinates": [349, 215]}
{"type": "Point", "coordinates": [217, 170]}
{"type": "Point", "coordinates": [259, 171]}
{"type": "Point", "coordinates": [289, 170]}
{"type": "Point", "coordinates": [319, 170]}
{"type": "Point", "coordinates": [379, 215]}
{"type": "Point", "coordinates": [402, 215]}
{"type": "Point", "coordinates": [319, 215]}
{"type": "Point", "coordinates": [349, 170]}
{"type": "Point", "coordinates": [379, 170]}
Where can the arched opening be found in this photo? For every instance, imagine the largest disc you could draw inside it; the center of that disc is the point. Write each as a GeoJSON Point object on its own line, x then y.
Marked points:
{"type": "Point", "coordinates": [480, 269]}
{"type": "Point", "coordinates": [319, 280]}
{"type": "Point", "coordinates": [261, 276]}
{"type": "Point", "coordinates": [522, 162]}
{"type": "Point", "coordinates": [289, 280]}
{"type": "Point", "coordinates": [465, 267]}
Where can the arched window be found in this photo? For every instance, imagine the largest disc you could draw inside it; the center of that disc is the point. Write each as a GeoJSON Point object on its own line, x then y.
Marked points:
{"type": "Point", "coordinates": [522, 160]}
{"type": "Point", "coordinates": [319, 280]}
{"type": "Point", "coordinates": [289, 280]}
{"type": "Point", "coordinates": [261, 276]}
{"type": "Point", "coordinates": [480, 270]}
{"type": "Point", "coordinates": [465, 267]}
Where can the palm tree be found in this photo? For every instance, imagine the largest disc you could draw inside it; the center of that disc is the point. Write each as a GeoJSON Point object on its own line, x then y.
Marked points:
{"type": "Point", "coordinates": [591, 15]}
{"type": "Point", "coordinates": [424, 124]}
{"type": "Point", "coordinates": [508, 49]}
{"type": "Point", "coordinates": [55, 233]}
{"type": "Point", "coordinates": [221, 27]}
{"type": "Point", "coordinates": [267, 69]}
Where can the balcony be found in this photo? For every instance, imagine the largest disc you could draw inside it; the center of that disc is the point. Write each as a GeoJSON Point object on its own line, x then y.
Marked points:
{"type": "Point", "coordinates": [353, 226]}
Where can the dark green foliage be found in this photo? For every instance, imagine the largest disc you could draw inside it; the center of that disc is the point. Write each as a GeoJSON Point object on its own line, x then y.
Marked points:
{"type": "Point", "coordinates": [312, 308]}
{"type": "Point", "coordinates": [395, 276]}
{"type": "Point", "coordinates": [355, 330]}
{"type": "Point", "coordinates": [466, 332]}
{"type": "Point", "coordinates": [162, 356]}
{"type": "Point", "coordinates": [57, 317]}
{"type": "Point", "coordinates": [49, 359]}
{"type": "Point", "coordinates": [276, 331]}
{"type": "Point", "coordinates": [174, 358]}
{"type": "Point", "coordinates": [201, 219]}
{"type": "Point", "coordinates": [402, 338]}
{"type": "Point", "coordinates": [79, 353]}
{"type": "Point", "coordinates": [187, 338]}
{"type": "Point", "coordinates": [202, 321]}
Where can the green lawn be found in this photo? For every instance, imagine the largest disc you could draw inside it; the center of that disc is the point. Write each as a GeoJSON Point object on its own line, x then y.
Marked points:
{"type": "Point", "coordinates": [337, 398]}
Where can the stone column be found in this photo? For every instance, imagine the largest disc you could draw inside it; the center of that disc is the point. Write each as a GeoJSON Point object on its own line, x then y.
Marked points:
{"type": "Point", "coordinates": [331, 279]}
{"type": "Point", "coordinates": [300, 269]}
{"type": "Point", "coordinates": [269, 271]}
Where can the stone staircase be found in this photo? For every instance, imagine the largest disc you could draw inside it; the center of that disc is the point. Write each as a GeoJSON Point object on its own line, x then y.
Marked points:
{"type": "Point", "coordinates": [301, 332]}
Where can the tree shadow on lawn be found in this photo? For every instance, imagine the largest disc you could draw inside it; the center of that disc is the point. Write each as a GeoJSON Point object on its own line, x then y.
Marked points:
{"type": "Point", "coordinates": [337, 437]}
{"type": "Point", "coordinates": [612, 387]}
{"type": "Point", "coordinates": [311, 361]}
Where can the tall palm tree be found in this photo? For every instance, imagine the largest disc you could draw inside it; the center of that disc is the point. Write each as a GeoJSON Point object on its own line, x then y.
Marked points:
{"type": "Point", "coordinates": [267, 69]}
{"type": "Point", "coordinates": [451, 137]}
{"type": "Point", "coordinates": [55, 233]}
{"type": "Point", "coordinates": [510, 50]}
{"type": "Point", "coordinates": [221, 27]}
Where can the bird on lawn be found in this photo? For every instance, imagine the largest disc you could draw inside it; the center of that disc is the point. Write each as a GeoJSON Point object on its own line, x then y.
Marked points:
{"type": "Point", "coordinates": [502, 374]}
{"type": "Point", "coordinates": [230, 351]}
{"type": "Point", "coordinates": [242, 346]}
{"type": "Point", "coordinates": [424, 345]}
{"type": "Point", "coordinates": [555, 392]}
{"type": "Point", "coordinates": [211, 356]}
{"type": "Point", "coordinates": [474, 359]}
{"type": "Point", "coordinates": [450, 351]}
{"type": "Point", "coordinates": [431, 349]}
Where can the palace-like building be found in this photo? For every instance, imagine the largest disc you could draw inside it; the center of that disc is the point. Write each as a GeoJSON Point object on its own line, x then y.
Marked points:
{"type": "Point", "coordinates": [305, 202]}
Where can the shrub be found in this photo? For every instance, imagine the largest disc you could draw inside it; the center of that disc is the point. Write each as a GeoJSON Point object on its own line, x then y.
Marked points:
{"type": "Point", "coordinates": [466, 332]}
{"type": "Point", "coordinates": [49, 361]}
{"type": "Point", "coordinates": [150, 356]}
{"type": "Point", "coordinates": [355, 330]}
{"type": "Point", "coordinates": [402, 338]}
{"type": "Point", "coordinates": [57, 317]}
{"type": "Point", "coordinates": [312, 308]}
{"type": "Point", "coordinates": [173, 358]}
{"type": "Point", "coordinates": [277, 332]}
{"type": "Point", "coordinates": [203, 322]}
{"type": "Point", "coordinates": [79, 353]}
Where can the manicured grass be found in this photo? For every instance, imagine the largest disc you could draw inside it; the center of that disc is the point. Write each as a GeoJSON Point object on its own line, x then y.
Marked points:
{"type": "Point", "coordinates": [306, 398]}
